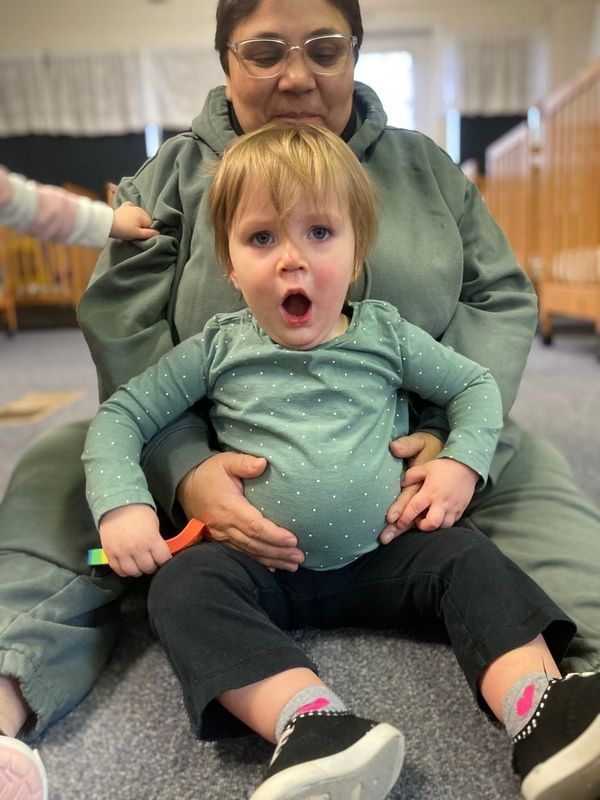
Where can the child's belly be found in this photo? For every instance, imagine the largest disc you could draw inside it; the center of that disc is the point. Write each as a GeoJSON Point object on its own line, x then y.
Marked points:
{"type": "Point", "coordinates": [337, 510]}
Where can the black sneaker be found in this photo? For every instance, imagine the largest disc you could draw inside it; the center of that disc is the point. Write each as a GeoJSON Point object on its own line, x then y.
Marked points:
{"type": "Point", "coordinates": [333, 755]}
{"type": "Point", "coordinates": [557, 754]}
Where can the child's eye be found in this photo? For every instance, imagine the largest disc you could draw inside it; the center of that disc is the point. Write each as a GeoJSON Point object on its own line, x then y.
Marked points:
{"type": "Point", "coordinates": [320, 233]}
{"type": "Point", "coordinates": [261, 238]}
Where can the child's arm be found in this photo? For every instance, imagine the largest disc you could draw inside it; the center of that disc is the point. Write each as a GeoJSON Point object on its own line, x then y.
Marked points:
{"type": "Point", "coordinates": [471, 399]}
{"type": "Point", "coordinates": [50, 212]}
{"type": "Point", "coordinates": [116, 489]}
{"type": "Point", "coordinates": [53, 213]}
{"type": "Point", "coordinates": [131, 222]}
{"type": "Point", "coordinates": [132, 542]}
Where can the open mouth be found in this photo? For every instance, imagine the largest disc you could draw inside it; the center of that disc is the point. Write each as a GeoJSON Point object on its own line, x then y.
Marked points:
{"type": "Point", "coordinates": [296, 307]}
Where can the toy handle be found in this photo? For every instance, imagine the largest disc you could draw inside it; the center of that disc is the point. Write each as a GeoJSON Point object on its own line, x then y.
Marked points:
{"type": "Point", "coordinates": [191, 534]}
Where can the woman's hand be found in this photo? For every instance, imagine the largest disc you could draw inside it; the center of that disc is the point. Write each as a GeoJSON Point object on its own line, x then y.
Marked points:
{"type": "Point", "coordinates": [131, 539]}
{"type": "Point", "coordinates": [417, 448]}
{"type": "Point", "coordinates": [214, 493]}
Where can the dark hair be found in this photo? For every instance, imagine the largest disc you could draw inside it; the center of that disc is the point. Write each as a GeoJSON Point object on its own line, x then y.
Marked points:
{"type": "Point", "coordinates": [231, 12]}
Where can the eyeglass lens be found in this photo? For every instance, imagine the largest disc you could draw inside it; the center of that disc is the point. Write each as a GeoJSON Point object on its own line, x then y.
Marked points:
{"type": "Point", "coordinates": [266, 57]}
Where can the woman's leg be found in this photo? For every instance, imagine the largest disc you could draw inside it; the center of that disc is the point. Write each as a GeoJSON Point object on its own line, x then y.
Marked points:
{"type": "Point", "coordinates": [541, 520]}
{"type": "Point", "coordinates": [14, 709]}
{"type": "Point", "coordinates": [57, 623]}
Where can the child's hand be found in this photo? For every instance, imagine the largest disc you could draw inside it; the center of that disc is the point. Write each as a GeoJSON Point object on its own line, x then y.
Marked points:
{"type": "Point", "coordinates": [132, 542]}
{"type": "Point", "coordinates": [446, 491]}
{"type": "Point", "coordinates": [131, 222]}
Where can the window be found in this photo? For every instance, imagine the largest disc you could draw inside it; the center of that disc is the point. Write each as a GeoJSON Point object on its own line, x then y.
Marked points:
{"type": "Point", "coordinates": [400, 66]}
{"type": "Point", "coordinates": [391, 75]}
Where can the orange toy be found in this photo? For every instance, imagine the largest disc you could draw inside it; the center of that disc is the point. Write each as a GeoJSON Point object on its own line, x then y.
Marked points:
{"type": "Point", "coordinates": [191, 534]}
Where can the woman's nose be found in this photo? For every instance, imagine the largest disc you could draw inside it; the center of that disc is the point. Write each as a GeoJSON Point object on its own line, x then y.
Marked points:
{"type": "Point", "coordinates": [296, 76]}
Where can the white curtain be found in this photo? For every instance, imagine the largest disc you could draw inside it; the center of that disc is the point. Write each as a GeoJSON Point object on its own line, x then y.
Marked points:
{"type": "Point", "coordinates": [492, 75]}
{"type": "Point", "coordinates": [178, 81]}
{"type": "Point", "coordinates": [104, 93]}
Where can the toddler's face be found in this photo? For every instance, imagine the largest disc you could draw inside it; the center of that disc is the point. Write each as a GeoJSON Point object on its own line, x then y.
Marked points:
{"type": "Point", "coordinates": [294, 277]}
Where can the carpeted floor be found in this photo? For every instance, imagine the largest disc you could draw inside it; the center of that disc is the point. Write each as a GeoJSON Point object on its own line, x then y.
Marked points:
{"type": "Point", "coordinates": [130, 739]}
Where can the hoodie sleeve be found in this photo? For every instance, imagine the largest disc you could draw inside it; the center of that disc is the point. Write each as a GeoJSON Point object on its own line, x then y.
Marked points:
{"type": "Point", "coordinates": [125, 313]}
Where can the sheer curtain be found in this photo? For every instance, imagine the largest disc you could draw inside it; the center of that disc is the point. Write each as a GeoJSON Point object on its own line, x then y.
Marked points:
{"type": "Point", "coordinates": [104, 93]}
{"type": "Point", "coordinates": [490, 76]}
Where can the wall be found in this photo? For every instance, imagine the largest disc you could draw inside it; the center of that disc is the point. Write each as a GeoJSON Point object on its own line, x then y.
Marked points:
{"type": "Point", "coordinates": [71, 25]}
{"type": "Point", "coordinates": [595, 48]}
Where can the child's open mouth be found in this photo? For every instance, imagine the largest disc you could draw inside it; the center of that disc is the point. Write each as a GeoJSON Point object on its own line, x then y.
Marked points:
{"type": "Point", "coordinates": [296, 308]}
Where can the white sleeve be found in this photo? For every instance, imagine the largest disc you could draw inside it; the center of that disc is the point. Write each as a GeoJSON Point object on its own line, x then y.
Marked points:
{"type": "Point", "coordinates": [18, 204]}
{"type": "Point", "coordinates": [50, 212]}
{"type": "Point", "coordinates": [93, 222]}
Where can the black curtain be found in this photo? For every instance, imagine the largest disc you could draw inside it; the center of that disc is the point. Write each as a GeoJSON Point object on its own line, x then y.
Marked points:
{"type": "Point", "coordinates": [476, 133]}
{"type": "Point", "coordinates": [86, 161]}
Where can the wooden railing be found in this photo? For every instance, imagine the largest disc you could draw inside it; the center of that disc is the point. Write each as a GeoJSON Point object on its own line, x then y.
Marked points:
{"type": "Point", "coordinates": [511, 194]}
{"type": "Point", "coordinates": [8, 310]}
{"type": "Point", "coordinates": [547, 199]}
{"type": "Point", "coordinates": [570, 201]}
{"type": "Point", "coordinates": [37, 273]}
{"type": "Point", "coordinates": [40, 273]}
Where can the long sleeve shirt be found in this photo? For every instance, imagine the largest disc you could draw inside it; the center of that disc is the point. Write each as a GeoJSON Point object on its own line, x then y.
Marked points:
{"type": "Point", "coordinates": [323, 418]}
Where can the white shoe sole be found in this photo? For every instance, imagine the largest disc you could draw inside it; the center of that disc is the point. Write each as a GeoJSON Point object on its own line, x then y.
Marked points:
{"type": "Point", "coordinates": [571, 774]}
{"type": "Point", "coordinates": [366, 771]}
{"type": "Point", "coordinates": [22, 773]}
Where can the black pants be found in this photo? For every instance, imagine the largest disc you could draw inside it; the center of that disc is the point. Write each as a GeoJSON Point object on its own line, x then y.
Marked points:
{"type": "Point", "coordinates": [221, 616]}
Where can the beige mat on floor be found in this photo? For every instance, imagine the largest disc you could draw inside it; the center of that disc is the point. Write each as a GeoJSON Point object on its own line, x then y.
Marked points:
{"type": "Point", "coordinates": [34, 406]}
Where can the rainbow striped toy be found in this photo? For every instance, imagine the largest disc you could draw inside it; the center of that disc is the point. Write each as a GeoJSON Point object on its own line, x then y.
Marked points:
{"type": "Point", "coordinates": [191, 534]}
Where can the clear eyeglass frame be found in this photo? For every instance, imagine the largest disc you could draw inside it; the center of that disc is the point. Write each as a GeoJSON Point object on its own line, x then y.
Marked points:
{"type": "Point", "coordinates": [255, 71]}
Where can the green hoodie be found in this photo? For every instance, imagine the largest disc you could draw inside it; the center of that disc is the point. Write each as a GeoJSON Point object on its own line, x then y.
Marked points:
{"type": "Point", "coordinates": [439, 258]}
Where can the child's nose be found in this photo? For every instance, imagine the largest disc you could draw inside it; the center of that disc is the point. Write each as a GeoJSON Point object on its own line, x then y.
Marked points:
{"type": "Point", "coordinates": [291, 257]}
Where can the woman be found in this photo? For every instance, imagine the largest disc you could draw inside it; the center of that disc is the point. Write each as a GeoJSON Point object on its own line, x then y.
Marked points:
{"type": "Point", "coordinates": [459, 282]}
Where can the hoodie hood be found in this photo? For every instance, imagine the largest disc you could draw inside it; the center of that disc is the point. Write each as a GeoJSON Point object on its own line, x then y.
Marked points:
{"type": "Point", "coordinates": [213, 123]}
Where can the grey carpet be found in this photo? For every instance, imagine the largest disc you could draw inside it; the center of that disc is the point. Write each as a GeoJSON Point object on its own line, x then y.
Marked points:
{"type": "Point", "coordinates": [130, 739]}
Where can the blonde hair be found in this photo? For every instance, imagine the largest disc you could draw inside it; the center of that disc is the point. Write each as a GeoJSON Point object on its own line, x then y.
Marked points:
{"type": "Point", "coordinates": [293, 163]}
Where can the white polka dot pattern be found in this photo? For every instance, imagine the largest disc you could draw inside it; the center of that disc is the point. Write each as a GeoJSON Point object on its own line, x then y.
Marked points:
{"type": "Point", "coordinates": [323, 418]}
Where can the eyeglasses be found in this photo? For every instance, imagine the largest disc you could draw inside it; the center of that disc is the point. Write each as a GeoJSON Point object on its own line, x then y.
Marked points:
{"type": "Point", "coordinates": [267, 58]}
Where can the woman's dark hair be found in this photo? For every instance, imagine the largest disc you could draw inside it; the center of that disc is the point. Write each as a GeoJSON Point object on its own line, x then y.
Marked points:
{"type": "Point", "coordinates": [231, 12]}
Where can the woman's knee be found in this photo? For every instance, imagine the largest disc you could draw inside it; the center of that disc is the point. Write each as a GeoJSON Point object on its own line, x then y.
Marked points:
{"type": "Point", "coordinates": [52, 460]}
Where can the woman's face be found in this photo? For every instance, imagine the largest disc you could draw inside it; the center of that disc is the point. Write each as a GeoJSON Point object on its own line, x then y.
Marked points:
{"type": "Point", "coordinates": [296, 95]}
